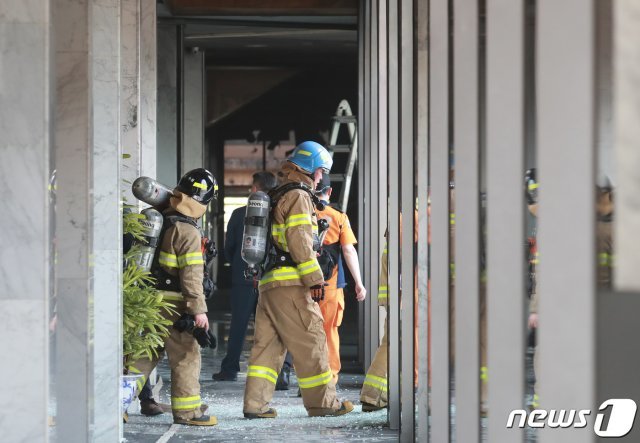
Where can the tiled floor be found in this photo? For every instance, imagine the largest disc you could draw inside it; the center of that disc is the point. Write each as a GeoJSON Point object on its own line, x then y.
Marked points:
{"type": "Point", "coordinates": [292, 424]}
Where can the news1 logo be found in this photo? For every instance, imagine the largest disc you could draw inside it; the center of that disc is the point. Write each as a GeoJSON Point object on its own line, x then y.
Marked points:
{"type": "Point", "coordinates": [615, 418]}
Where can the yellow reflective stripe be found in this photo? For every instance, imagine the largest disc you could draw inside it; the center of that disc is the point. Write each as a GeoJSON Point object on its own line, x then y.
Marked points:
{"type": "Point", "coordinates": [277, 231]}
{"type": "Point", "coordinates": [385, 251]}
{"type": "Point", "coordinates": [262, 372]}
{"type": "Point", "coordinates": [308, 267]}
{"type": "Point", "coordinates": [191, 258]}
{"type": "Point", "coordinates": [605, 259]}
{"type": "Point", "coordinates": [303, 152]}
{"type": "Point", "coordinates": [316, 380]}
{"type": "Point", "coordinates": [171, 295]}
{"type": "Point", "coordinates": [168, 260]}
{"type": "Point", "coordinates": [484, 374]}
{"type": "Point", "coordinates": [297, 220]}
{"type": "Point", "coordinates": [200, 185]}
{"type": "Point", "coordinates": [141, 381]}
{"type": "Point", "coordinates": [452, 218]}
{"type": "Point", "coordinates": [536, 258]}
{"type": "Point", "coordinates": [280, 274]}
{"type": "Point", "coordinates": [532, 186]}
{"type": "Point", "coordinates": [185, 403]}
{"type": "Point", "coordinates": [383, 292]}
{"type": "Point", "coordinates": [378, 383]}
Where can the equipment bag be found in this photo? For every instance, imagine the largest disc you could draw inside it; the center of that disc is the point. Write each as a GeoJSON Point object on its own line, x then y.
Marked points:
{"type": "Point", "coordinates": [328, 259]}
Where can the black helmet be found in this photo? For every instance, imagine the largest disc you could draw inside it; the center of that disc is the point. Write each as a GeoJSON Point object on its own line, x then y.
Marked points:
{"type": "Point", "coordinates": [531, 186]}
{"type": "Point", "coordinates": [200, 185]}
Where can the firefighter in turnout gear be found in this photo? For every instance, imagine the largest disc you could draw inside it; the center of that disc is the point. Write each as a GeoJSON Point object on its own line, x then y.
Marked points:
{"type": "Point", "coordinates": [287, 317]}
{"type": "Point", "coordinates": [374, 393]}
{"type": "Point", "coordinates": [179, 271]}
{"type": "Point", "coordinates": [337, 243]}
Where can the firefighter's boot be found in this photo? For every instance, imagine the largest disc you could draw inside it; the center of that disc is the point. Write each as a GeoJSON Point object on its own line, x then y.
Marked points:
{"type": "Point", "coordinates": [203, 420]}
{"type": "Point", "coordinates": [270, 413]}
{"type": "Point", "coordinates": [345, 408]}
{"type": "Point", "coordinates": [150, 407]}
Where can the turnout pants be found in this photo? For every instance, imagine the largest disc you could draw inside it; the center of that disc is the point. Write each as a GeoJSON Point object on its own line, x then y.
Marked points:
{"type": "Point", "coordinates": [374, 388]}
{"type": "Point", "coordinates": [332, 308]}
{"type": "Point", "coordinates": [287, 318]}
{"type": "Point", "coordinates": [183, 352]}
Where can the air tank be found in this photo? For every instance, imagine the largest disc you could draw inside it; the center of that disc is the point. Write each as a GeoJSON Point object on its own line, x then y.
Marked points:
{"type": "Point", "coordinates": [151, 192]}
{"type": "Point", "coordinates": [152, 223]}
{"type": "Point", "coordinates": [256, 231]}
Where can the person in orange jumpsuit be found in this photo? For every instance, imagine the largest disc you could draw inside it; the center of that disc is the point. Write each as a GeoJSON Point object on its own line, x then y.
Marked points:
{"type": "Point", "coordinates": [339, 240]}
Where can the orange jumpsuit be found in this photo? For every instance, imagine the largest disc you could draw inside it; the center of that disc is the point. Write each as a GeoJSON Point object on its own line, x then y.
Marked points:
{"type": "Point", "coordinates": [332, 306]}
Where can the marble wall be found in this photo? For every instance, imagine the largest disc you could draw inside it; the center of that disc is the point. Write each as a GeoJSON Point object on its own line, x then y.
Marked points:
{"type": "Point", "coordinates": [88, 224]}
{"type": "Point", "coordinates": [138, 90]}
{"type": "Point", "coordinates": [194, 106]}
{"type": "Point", "coordinates": [166, 106]}
{"type": "Point", "coordinates": [106, 222]}
{"type": "Point", "coordinates": [626, 136]}
{"type": "Point", "coordinates": [25, 69]}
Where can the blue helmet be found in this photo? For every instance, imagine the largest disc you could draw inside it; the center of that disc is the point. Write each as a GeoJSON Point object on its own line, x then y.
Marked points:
{"type": "Point", "coordinates": [310, 156]}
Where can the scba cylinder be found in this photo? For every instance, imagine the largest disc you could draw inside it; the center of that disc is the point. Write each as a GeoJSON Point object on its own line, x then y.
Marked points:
{"type": "Point", "coordinates": [256, 230]}
{"type": "Point", "coordinates": [152, 223]}
{"type": "Point", "coordinates": [151, 192]}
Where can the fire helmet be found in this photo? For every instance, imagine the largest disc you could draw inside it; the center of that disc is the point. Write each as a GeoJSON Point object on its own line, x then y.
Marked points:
{"type": "Point", "coordinates": [310, 156]}
{"type": "Point", "coordinates": [200, 185]}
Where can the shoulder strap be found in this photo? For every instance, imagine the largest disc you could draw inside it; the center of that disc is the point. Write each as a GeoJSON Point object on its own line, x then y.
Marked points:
{"type": "Point", "coordinates": [171, 220]}
{"type": "Point", "coordinates": [277, 193]}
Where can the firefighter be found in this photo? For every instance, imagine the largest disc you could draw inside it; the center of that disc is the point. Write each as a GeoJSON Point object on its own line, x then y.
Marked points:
{"type": "Point", "coordinates": [339, 239]}
{"type": "Point", "coordinates": [373, 395]}
{"type": "Point", "coordinates": [604, 233]}
{"type": "Point", "coordinates": [180, 258]}
{"type": "Point", "coordinates": [287, 317]}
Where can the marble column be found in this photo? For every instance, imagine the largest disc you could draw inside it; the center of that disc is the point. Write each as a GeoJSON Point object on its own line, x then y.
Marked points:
{"type": "Point", "coordinates": [106, 222]}
{"type": "Point", "coordinates": [88, 223]}
{"type": "Point", "coordinates": [194, 102]}
{"type": "Point", "coordinates": [626, 135]}
{"type": "Point", "coordinates": [24, 258]}
{"type": "Point", "coordinates": [138, 91]}
{"type": "Point", "coordinates": [167, 105]}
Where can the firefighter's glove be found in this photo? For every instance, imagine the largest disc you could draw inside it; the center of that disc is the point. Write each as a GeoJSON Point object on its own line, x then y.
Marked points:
{"type": "Point", "coordinates": [317, 292]}
{"type": "Point", "coordinates": [205, 338]}
{"type": "Point", "coordinates": [186, 323]}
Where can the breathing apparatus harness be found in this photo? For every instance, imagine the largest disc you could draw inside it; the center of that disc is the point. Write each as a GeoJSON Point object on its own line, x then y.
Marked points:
{"type": "Point", "coordinates": [276, 257]}
{"type": "Point", "coordinates": [168, 282]}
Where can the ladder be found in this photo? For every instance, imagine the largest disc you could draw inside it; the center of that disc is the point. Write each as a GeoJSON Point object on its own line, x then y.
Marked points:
{"type": "Point", "coordinates": [344, 116]}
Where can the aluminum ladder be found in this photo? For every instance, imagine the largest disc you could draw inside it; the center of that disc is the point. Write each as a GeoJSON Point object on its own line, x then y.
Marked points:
{"type": "Point", "coordinates": [344, 116]}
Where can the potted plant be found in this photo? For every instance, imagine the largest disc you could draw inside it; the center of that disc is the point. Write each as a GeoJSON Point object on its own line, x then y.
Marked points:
{"type": "Point", "coordinates": [144, 325]}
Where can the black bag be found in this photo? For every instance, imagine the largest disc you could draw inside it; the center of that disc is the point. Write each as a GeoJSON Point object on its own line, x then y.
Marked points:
{"type": "Point", "coordinates": [328, 259]}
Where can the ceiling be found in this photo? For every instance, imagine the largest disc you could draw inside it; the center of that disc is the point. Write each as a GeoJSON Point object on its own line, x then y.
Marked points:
{"type": "Point", "coordinates": [249, 33]}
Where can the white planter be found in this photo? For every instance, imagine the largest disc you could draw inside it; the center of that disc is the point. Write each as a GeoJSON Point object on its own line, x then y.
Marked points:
{"type": "Point", "coordinates": [128, 389]}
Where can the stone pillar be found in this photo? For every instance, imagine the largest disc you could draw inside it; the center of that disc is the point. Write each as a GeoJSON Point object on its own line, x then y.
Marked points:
{"type": "Point", "coordinates": [627, 133]}
{"type": "Point", "coordinates": [167, 106]}
{"type": "Point", "coordinates": [138, 91]}
{"type": "Point", "coordinates": [88, 235]}
{"type": "Point", "coordinates": [24, 259]}
{"type": "Point", "coordinates": [106, 222]}
{"type": "Point", "coordinates": [194, 103]}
